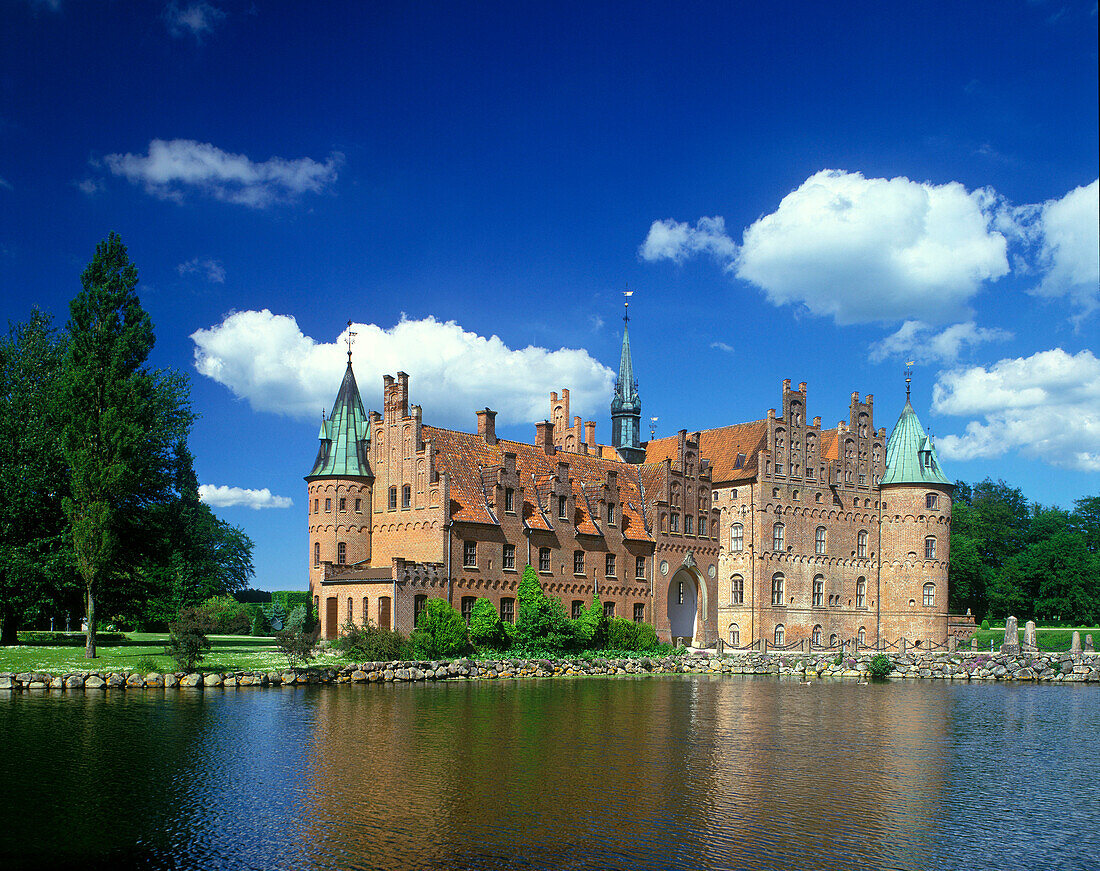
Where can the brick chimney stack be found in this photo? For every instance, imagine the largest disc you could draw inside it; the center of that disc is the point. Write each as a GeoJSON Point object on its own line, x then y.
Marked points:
{"type": "Point", "coordinates": [590, 435]}
{"type": "Point", "coordinates": [487, 426]}
{"type": "Point", "coordinates": [544, 436]}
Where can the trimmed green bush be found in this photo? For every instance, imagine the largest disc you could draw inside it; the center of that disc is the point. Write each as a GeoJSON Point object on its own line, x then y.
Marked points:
{"type": "Point", "coordinates": [486, 629]}
{"type": "Point", "coordinates": [440, 632]}
{"type": "Point", "coordinates": [259, 624]}
{"type": "Point", "coordinates": [296, 619]}
{"type": "Point", "coordinates": [224, 615]}
{"type": "Point", "coordinates": [624, 634]}
{"type": "Point", "coordinates": [985, 625]}
{"type": "Point", "coordinates": [590, 628]}
{"type": "Point", "coordinates": [880, 665]}
{"type": "Point", "coordinates": [369, 643]}
{"type": "Point", "coordinates": [541, 621]}
{"type": "Point", "coordinates": [187, 641]}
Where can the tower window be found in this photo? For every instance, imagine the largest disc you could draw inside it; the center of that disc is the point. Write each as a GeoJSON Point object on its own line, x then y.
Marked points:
{"type": "Point", "coordinates": [737, 590]}
{"type": "Point", "coordinates": [737, 537]}
{"type": "Point", "coordinates": [578, 562]}
{"type": "Point", "coordinates": [777, 590]}
{"type": "Point", "coordinates": [929, 595]}
{"type": "Point", "coordinates": [930, 500]}
{"type": "Point", "coordinates": [861, 544]}
{"type": "Point", "coordinates": [611, 512]}
{"type": "Point", "coordinates": [609, 565]}
{"type": "Point", "coordinates": [316, 553]}
{"type": "Point", "coordinates": [341, 553]}
{"type": "Point", "coordinates": [819, 541]}
{"type": "Point", "coordinates": [406, 496]}
{"type": "Point", "coordinates": [861, 593]}
{"type": "Point", "coordinates": [544, 560]}
{"type": "Point", "coordinates": [508, 560]}
{"type": "Point", "coordinates": [391, 502]}
{"type": "Point", "coordinates": [469, 554]}
{"type": "Point", "coordinates": [777, 538]}
{"type": "Point", "coordinates": [930, 547]}
{"type": "Point", "coordinates": [563, 508]}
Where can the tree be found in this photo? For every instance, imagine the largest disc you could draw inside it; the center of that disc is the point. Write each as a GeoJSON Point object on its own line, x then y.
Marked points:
{"type": "Point", "coordinates": [440, 631]}
{"type": "Point", "coordinates": [591, 626]}
{"type": "Point", "coordinates": [35, 562]}
{"type": "Point", "coordinates": [486, 629]}
{"type": "Point", "coordinates": [122, 420]}
{"type": "Point", "coordinates": [540, 620]}
{"type": "Point", "coordinates": [1086, 520]}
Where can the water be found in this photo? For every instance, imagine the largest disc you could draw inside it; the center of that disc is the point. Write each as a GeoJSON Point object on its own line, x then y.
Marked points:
{"type": "Point", "coordinates": [678, 772]}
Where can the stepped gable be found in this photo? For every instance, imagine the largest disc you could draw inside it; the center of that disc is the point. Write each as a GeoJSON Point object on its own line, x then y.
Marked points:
{"type": "Point", "coordinates": [721, 448]}
{"type": "Point", "coordinates": [463, 457]}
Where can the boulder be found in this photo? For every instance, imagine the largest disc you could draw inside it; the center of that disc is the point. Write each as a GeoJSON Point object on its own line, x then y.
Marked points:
{"type": "Point", "coordinates": [191, 680]}
{"type": "Point", "coordinates": [75, 681]}
{"type": "Point", "coordinates": [94, 682]}
{"type": "Point", "coordinates": [171, 681]}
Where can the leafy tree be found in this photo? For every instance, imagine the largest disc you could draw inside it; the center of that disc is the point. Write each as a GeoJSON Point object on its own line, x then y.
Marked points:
{"type": "Point", "coordinates": [968, 576]}
{"type": "Point", "coordinates": [187, 641]}
{"type": "Point", "coordinates": [440, 631]}
{"type": "Point", "coordinates": [486, 629]}
{"type": "Point", "coordinates": [296, 645]}
{"type": "Point", "coordinates": [121, 422]}
{"type": "Point", "coordinates": [1086, 520]}
{"type": "Point", "coordinates": [591, 626]}
{"type": "Point", "coordinates": [541, 621]}
{"type": "Point", "coordinates": [35, 560]}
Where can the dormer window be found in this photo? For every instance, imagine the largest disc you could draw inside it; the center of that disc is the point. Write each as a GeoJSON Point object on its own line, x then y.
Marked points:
{"type": "Point", "coordinates": [611, 512]}
{"type": "Point", "coordinates": [563, 504]}
{"type": "Point", "coordinates": [509, 500]}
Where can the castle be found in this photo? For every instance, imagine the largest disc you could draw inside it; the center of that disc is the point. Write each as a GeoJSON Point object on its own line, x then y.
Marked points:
{"type": "Point", "coordinates": [774, 530]}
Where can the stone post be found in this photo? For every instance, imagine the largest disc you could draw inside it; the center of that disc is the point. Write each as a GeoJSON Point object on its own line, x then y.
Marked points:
{"type": "Point", "coordinates": [952, 643]}
{"type": "Point", "coordinates": [902, 646]}
{"type": "Point", "coordinates": [1075, 642]}
{"type": "Point", "coordinates": [1012, 637]}
{"type": "Point", "coordinates": [720, 647]}
{"type": "Point", "coordinates": [1029, 635]}
{"type": "Point", "coordinates": [974, 644]}
{"type": "Point", "coordinates": [1088, 644]}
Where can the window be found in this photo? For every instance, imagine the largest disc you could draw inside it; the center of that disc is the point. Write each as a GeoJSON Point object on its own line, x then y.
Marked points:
{"type": "Point", "coordinates": [702, 525]}
{"type": "Point", "coordinates": [611, 512]}
{"type": "Point", "coordinates": [391, 502]}
{"type": "Point", "coordinates": [737, 538]}
{"type": "Point", "coordinates": [780, 635]}
{"type": "Point", "coordinates": [508, 610]}
{"type": "Point", "coordinates": [341, 553]}
{"type": "Point", "coordinates": [468, 607]}
{"type": "Point", "coordinates": [314, 506]}
{"type": "Point", "coordinates": [508, 561]}
{"type": "Point", "coordinates": [563, 506]}
{"type": "Point", "coordinates": [735, 635]}
{"type": "Point", "coordinates": [639, 568]}
{"type": "Point", "coordinates": [406, 496]}
{"type": "Point", "coordinates": [680, 592]}
{"type": "Point", "coordinates": [862, 637]}
{"type": "Point", "coordinates": [578, 562]}
{"type": "Point", "coordinates": [737, 590]}
{"type": "Point", "coordinates": [819, 541]}
{"type": "Point", "coordinates": [777, 590]}
{"type": "Point", "coordinates": [420, 604]}
{"type": "Point", "coordinates": [349, 608]}
{"type": "Point", "coordinates": [687, 524]}
{"type": "Point", "coordinates": [358, 504]}
{"type": "Point", "coordinates": [777, 538]}
{"type": "Point", "coordinates": [675, 523]}
{"type": "Point", "coordinates": [366, 610]}
{"type": "Point", "coordinates": [544, 560]}
{"type": "Point", "coordinates": [861, 593]}
{"type": "Point", "coordinates": [819, 591]}
{"type": "Point", "coordinates": [469, 554]}
{"type": "Point", "coordinates": [930, 500]}
{"type": "Point", "coordinates": [929, 595]}
{"type": "Point", "coordinates": [639, 612]}
{"type": "Point", "coordinates": [816, 637]}
{"type": "Point", "coordinates": [577, 609]}
{"type": "Point", "coordinates": [343, 504]}
{"type": "Point", "coordinates": [861, 544]}
{"type": "Point", "coordinates": [328, 505]}
{"type": "Point", "coordinates": [509, 500]}
{"type": "Point", "coordinates": [316, 553]}
{"type": "Point", "coordinates": [930, 547]}
{"type": "Point", "coordinates": [609, 565]}
{"type": "Point", "coordinates": [609, 610]}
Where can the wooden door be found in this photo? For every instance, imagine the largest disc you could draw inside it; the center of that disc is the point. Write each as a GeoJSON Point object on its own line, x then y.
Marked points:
{"type": "Point", "coordinates": [330, 617]}
{"type": "Point", "coordinates": [384, 612]}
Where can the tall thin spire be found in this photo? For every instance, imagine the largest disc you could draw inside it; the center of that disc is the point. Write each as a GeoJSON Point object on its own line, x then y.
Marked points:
{"type": "Point", "coordinates": [351, 336]}
{"type": "Point", "coordinates": [908, 378]}
{"type": "Point", "coordinates": [626, 407]}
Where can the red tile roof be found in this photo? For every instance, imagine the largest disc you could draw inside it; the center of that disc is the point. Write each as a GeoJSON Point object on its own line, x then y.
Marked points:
{"type": "Point", "coordinates": [721, 447]}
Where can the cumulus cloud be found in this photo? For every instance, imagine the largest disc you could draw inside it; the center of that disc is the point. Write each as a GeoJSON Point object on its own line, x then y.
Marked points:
{"type": "Point", "coordinates": [863, 249]}
{"type": "Point", "coordinates": [173, 167]}
{"type": "Point", "coordinates": [1045, 406]}
{"type": "Point", "coordinates": [221, 496]}
{"type": "Point", "coordinates": [265, 359]}
{"type": "Point", "coordinates": [920, 342]}
{"type": "Point", "coordinates": [194, 19]}
{"type": "Point", "coordinates": [211, 269]}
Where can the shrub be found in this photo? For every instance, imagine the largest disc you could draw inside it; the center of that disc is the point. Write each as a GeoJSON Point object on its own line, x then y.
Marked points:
{"type": "Point", "coordinates": [369, 643]}
{"type": "Point", "coordinates": [146, 665]}
{"type": "Point", "coordinates": [259, 624]}
{"type": "Point", "coordinates": [880, 665]}
{"type": "Point", "coordinates": [224, 615]}
{"type": "Point", "coordinates": [296, 646]}
{"type": "Point", "coordinates": [187, 641]}
{"type": "Point", "coordinates": [440, 632]}
{"type": "Point", "coordinates": [985, 625]}
{"type": "Point", "coordinates": [486, 629]}
{"type": "Point", "coordinates": [541, 622]}
{"type": "Point", "coordinates": [296, 619]}
{"type": "Point", "coordinates": [591, 627]}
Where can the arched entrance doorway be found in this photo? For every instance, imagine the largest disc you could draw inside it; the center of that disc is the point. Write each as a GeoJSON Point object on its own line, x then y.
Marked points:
{"type": "Point", "coordinates": [683, 605]}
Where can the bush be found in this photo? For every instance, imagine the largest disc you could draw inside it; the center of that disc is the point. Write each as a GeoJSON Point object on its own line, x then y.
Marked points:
{"type": "Point", "coordinates": [440, 632]}
{"type": "Point", "coordinates": [296, 646]}
{"type": "Point", "coordinates": [369, 643]}
{"type": "Point", "coordinates": [288, 600]}
{"type": "Point", "coordinates": [985, 625]}
{"type": "Point", "coordinates": [187, 641]}
{"type": "Point", "coordinates": [541, 622]}
{"type": "Point", "coordinates": [259, 625]}
{"type": "Point", "coordinates": [146, 665]}
{"type": "Point", "coordinates": [624, 634]}
{"type": "Point", "coordinates": [296, 619]}
{"type": "Point", "coordinates": [590, 629]}
{"type": "Point", "coordinates": [880, 665]}
{"type": "Point", "coordinates": [486, 629]}
{"type": "Point", "coordinates": [224, 615]}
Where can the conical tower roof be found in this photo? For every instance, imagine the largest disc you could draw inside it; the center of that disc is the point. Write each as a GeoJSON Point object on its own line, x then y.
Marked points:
{"type": "Point", "coordinates": [910, 455]}
{"type": "Point", "coordinates": [626, 388]}
{"type": "Point", "coordinates": [344, 435]}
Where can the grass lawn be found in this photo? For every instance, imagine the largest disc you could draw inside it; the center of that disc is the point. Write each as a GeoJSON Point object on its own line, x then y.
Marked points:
{"type": "Point", "coordinates": [1046, 639]}
{"type": "Point", "coordinates": [229, 653]}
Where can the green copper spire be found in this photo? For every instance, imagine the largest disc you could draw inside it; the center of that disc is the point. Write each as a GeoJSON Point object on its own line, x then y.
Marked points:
{"type": "Point", "coordinates": [344, 436]}
{"type": "Point", "coordinates": [910, 455]}
{"type": "Point", "coordinates": [626, 406]}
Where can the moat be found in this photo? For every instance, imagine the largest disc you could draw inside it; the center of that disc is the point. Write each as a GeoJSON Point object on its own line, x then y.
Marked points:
{"type": "Point", "coordinates": [658, 772]}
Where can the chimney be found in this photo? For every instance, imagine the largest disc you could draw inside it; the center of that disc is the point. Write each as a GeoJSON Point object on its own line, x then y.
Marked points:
{"type": "Point", "coordinates": [590, 434]}
{"type": "Point", "coordinates": [544, 436]}
{"type": "Point", "coordinates": [801, 386]}
{"type": "Point", "coordinates": [786, 384]}
{"type": "Point", "coordinates": [487, 426]}
{"type": "Point", "coordinates": [817, 421]}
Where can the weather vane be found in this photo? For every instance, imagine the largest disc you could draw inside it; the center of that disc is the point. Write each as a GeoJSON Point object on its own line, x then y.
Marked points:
{"type": "Point", "coordinates": [351, 335]}
{"type": "Point", "coordinates": [626, 304]}
{"type": "Point", "coordinates": [652, 428]}
{"type": "Point", "coordinates": [908, 378]}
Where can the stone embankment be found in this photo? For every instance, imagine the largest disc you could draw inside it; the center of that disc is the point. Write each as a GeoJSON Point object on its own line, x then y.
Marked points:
{"type": "Point", "coordinates": [958, 666]}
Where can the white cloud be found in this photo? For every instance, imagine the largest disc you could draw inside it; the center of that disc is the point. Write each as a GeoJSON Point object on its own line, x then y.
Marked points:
{"type": "Point", "coordinates": [1070, 248]}
{"type": "Point", "coordinates": [195, 19]}
{"type": "Point", "coordinates": [173, 167]}
{"type": "Point", "coordinates": [212, 269]}
{"type": "Point", "coordinates": [672, 240]}
{"type": "Point", "coordinates": [90, 186]}
{"type": "Point", "coordinates": [1045, 406]}
{"type": "Point", "coordinates": [221, 496]}
{"type": "Point", "coordinates": [918, 341]}
{"type": "Point", "coordinates": [722, 346]}
{"type": "Point", "coordinates": [267, 360]}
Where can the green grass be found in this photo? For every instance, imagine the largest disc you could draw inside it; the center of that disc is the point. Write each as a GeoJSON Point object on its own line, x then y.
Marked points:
{"type": "Point", "coordinates": [1045, 639]}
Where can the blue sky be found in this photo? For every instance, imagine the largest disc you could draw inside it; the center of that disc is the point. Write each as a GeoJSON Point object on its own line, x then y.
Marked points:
{"type": "Point", "coordinates": [818, 192]}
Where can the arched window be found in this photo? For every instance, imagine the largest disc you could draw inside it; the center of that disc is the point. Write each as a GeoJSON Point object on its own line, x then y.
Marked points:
{"type": "Point", "coordinates": [737, 538]}
{"type": "Point", "coordinates": [341, 553]}
{"type": "Point", "coordinates": [777, 590]}
{"type": "Point", "coordinates": [817, 636]}
{"type": "Point", "coordinates": [349, 608]}
{"type": "Point", "coordinates": [406, 496]}
{"type": "Point", "coordinates": [316, 553]}
{"type": "Point", "coordinates": [861, 593]}
{"type": "Point", "coordinates": [832, 640]}
{"type": "Point", "coordinates": [930, 547]}
{"type": "Point", "coordinates": [777, 538]}
{"type": "Point", "coordinates": [819, 591]}
{"type": "Point", "coordinates": [737, 590]}
{"type": "Point", "coordinates": [780, 635]}
{"type": "Point", "coordinates": [862, 637]}
{"type": "Point", "coordinates": [929, 595]}
{"type": "Point", "coordinates": [366, 610]}
{"type": "Point", "coordinates": [735, 635]}
{"type": "Point", "coordinates": [861, 544]}
{"type": "Point", "coordinates": [819, 541]}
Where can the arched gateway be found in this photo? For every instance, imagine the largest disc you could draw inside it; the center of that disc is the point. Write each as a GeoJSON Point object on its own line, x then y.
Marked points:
{"type": "Point", "coordinates": [683, 605]}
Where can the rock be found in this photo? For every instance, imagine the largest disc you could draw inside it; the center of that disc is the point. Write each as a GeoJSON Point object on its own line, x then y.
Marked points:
{"type": "Point", "coordinates": [358, 676]}
{"type": "Point", "coordinates": [403, 674]}
{"type": "Point", "coordinates": [94, 682]}
{"type": "Point", "coordinates": [212, 680]}
{"type": "Point", "coordinates": [288, 677]}
{"type": "Point", "coordinates": [135, 680]}
{"type": "Point", "coordinates": [115, 680]}
{"type": "Point", "coordinates": [154, 680]}
{"type": "Point", "coordinates": [191, 680]}
{"type": "Point", "coordinates": [75, 681]}
{"type": "Point", "coordinates": [171, 681]}
{"type": "Point", "coordinates": [1012, 637]}
{"type": "Point", "coordinates": [57, 683]}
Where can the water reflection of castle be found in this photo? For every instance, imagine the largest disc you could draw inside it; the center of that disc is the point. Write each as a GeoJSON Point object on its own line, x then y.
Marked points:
{"type": "Point", "coordinates": [776, 529]}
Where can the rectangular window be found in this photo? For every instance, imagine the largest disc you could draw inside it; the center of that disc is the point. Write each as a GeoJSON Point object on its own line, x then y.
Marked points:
{"type": "Point", "coordinates": [777, 538]}
{"type": "Point", "coordinates": [366, 610]}
{"type": "Point", "coordinates": [930, 548]}
{"type": "Point", "coordinates": [609, 565]}
{"type": "Point", "coordinates": [930, 500]}
{"type": "Point", "coordinates": [737, 538]}
{"type": "Point", "coordinates": [544, 560]}
{"type": "Point", "coordinates": [343, 504]}
{"type": "Point", "coordinates": [611, 513]}
{"type": "Point", "coordinates": [578, 562]}
{"type": "Point", "coordinates": [702, 526]}
{"type": "Point", "coordinates": [819, 541]}
{"type": "Point", "coordinates": [391, 502]}
{"type": "Point", "coordinates": [675, 521]}
{"type": "Point", "coordinates": [509, 558]}
{"type": "Point", "coordinates": [737, 590]}
{"type": "Point", "coordinates": [639, 612]}
{"type": "Point", "coordinates": [406, 496]}
{"type": "Point", "coordinates": [861, 594]}
{"type": "Point", "coordinates": [358, 504]}
{"type": "Point", "coordinates": [316, 553]}
{"type": "Point", "coordinates": [328, 505]}
{"type": "Point", "coordinates": [469, 554]}
{"type": "Point", "coordinates": [687, 524]}
{"type": "Point", "coordinates": [929, 595]}
{"type": "Point", "coordinates": [509, 500]}
{"type": "Point", "coordinates": [563, 508]}
{"type": "Point", "coordinates": [819, 592]}
{"type": "Point", "coordinates": [777, 591]}
{"type": "Point", "coordinates": [341, 553]}
{"type": "Point", "coordinates": [508, 610]}
{"type": "Point", "coordinates": [609, 610]}
{"type": "Point", "coordinates": [639, 568]}
{"type": "Point", "coordinates": [468, 607]}
{"type": "Point", "coordinates": [419, 604]}
{"type": "Point", "coordinates": [861, 544]}
{"type": "Point", "coordinates": [577, 609]}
